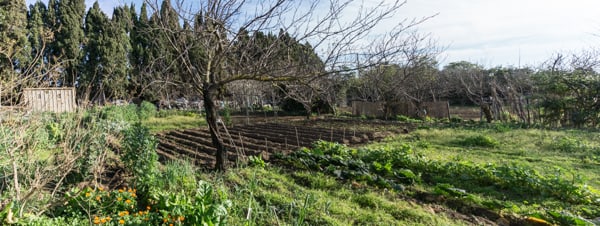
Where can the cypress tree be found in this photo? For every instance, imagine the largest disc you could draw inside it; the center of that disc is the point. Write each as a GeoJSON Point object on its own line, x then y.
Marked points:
{"type": "Point", "coordinates": [14, 54]}
{"type": "Point", "coordinates": [14, 48]}
{"type": "Point", "coordinates": [69, 38]}
{"type": "Point", "coordinates": [91, 80]}
{"type": "Point", "coordinates": [117, 58]}
{"type": "Point", "coordinates": [141, 55]}
{"type": "Point", "coordinates": [37, 34]}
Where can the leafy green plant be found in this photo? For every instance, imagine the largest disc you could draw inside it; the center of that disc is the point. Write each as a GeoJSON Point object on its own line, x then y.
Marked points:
{"type": "Point", "coordinates": [146, 110]}
{"type": "Point", "coordinates": [570, 144]}
{"type": "Point", "coordinates": [403, 118]}
{"type": "Point", "coordinates": [203, 207]}
{"type": "Point", "coordinates": [479, 141]}
{"type": "Point", "coordinates": [140, 158]}
{"type": "Point", "coordinates": [177, 175]}
{"type": "Point", "coordinates": [256, 161]}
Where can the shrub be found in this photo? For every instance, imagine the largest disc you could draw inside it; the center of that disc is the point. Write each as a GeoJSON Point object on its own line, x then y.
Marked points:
{"type": "Point", "coordinates": [203, 206]}
{"type": "Point", "coordinates": [456, 119]}
{"type": "Point", "coordinates": [479, 141]}
{"type": "Point", "coordinates": [570, 144]}
{"type": "Point", "coordinates": [140, 158]}
{"type": "Point", "coordinates": [146, 110]}
{"type": "Point", "coordinates": [127, 113]}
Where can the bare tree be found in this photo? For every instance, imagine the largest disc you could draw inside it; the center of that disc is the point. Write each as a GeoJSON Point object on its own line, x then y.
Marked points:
{"type": "Point", "coordinates": [476, 83]}
{"type": "Point", "coordinates": [220, 44]}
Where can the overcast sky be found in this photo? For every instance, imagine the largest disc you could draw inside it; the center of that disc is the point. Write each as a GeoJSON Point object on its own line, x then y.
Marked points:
{"type": "Point", "coordinates": [494, 32]}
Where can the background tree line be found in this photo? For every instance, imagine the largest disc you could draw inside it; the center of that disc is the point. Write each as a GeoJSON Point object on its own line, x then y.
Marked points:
{"type": "Point", "coordinates": [130, 54]}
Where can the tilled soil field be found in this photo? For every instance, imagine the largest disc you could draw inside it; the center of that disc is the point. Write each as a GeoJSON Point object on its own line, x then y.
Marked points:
{"type": "Point", "coordinates": [261, 139]}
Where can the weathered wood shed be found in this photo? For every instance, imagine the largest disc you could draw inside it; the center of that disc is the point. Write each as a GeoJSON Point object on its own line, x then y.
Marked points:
{"type": "Point", "coordinates": [50, 99]}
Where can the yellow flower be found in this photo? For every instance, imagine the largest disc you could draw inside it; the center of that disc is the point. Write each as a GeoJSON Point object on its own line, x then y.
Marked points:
{"type": "Point", "coordinates": [101, 188]}
{"type": "Point", "coordinates": [119, 199]}
{"type": "Point", "coordinates": [127, 201]}
{"type": "Point", "coordinates": [123, 213]}
{"type": "Point", "coordinates": [98, 197]}
{"type": "Point", "coordinates": [121, 221]}
{"type": "Point", "coordinates": [103, 220]}
{"type": "Point", "coordinates": [96, 221]}
{"type": "Point", "coordinates": [121, 190]}
{"type": "Point", "coordinates": [133, 195]}
{"type": "Point", "coordinates": [87, 194]}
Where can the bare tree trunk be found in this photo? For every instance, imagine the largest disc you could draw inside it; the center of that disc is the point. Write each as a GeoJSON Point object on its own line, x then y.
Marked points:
{"type": "Point", "coordinates": [211, 120]}
{"type": "Point", "coordinates": [487, 112]}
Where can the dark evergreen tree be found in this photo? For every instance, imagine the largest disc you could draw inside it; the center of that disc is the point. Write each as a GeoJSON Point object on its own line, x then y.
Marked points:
{"type": "Point", "coordinates": [90, 81]}
{"type": "Point", "coordinates": [14, 48]}
{"type": "Point", "coordinates": [13, 35]}
{"type": "Point", "coordinates": [140, 58]}
{"type": "Point", "coordinates": [105, 64]}
{"type": "Point", "coordinates": [37, 34]}
{"type": "Point", "coordinates": [117, 58]}
{"type": "Point", "coordinates": [69, 38]}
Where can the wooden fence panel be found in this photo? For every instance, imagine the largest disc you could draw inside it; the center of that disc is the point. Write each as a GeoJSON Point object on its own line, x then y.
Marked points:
{"type": "Point", "coordinates": [50, 99]}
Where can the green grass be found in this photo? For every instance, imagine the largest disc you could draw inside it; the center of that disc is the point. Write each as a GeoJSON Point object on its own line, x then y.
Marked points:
{"type": "Point", "coordinates": [174, 121]}
{"type": "Point", "coordinates": [568, 155]}
{"type": "Point", "coordinates": [576, 152]}
{"type": "Point", "coordinates": [279, 197]}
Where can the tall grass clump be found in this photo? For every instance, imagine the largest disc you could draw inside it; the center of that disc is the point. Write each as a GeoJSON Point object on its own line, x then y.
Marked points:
{"type": "Point", "coordinates": [479, 141]}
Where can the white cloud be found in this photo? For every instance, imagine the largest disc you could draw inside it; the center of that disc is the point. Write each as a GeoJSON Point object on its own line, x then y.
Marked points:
{"type": "Point", "coordinates": [492, 32]}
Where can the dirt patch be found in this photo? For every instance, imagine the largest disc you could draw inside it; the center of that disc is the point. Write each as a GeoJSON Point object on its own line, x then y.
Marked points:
{"type": "Point", "coordinates": [266, 139]}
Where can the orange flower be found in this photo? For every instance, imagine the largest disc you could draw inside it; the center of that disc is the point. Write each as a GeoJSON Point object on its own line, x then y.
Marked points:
{"type": "Point", "coordinates": [123, 213]}
{"type": "Point", "coordinates": [133, 195]}
{"type": "Point", "coordinates": [121, 190]}
{"type": "Point", "coordinates": [127, 201]}
{"type": "Point", "coordinates": [148, 207]}
{"type": "Point", "coordinates": [181, 218]}
{"type": "Point", "coordinates": [96, 221]}
{"type": "Point", "coordinates": [170, 224]}
{"type": "Point", "coordinates": [121, 221]}
{"type": "Point", "coordinates": [165, 220]}
{"type": "Point", "coordinates": [98, 197]}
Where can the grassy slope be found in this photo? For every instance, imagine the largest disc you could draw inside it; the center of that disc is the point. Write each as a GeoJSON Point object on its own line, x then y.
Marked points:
{"type": "Point", "coordinates": [278, 197]}
{"type": "Point", "coordinates": [539, 149]}
{"type": "Point", "coordinates": [573, 153]}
